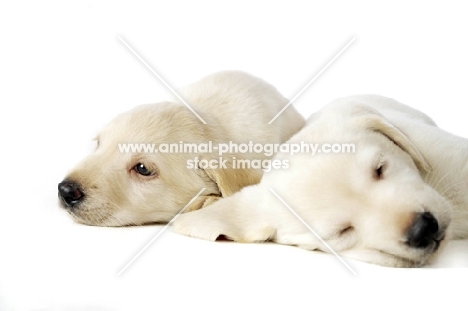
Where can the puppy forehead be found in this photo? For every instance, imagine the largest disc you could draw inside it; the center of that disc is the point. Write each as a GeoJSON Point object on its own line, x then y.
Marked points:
{"type": "Point", "coordinates": [141, 117]}
{"type": "Point", "coordinates": [154, 123]}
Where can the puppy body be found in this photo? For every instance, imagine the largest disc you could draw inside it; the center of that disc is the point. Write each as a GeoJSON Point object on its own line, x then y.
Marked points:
{"type": "Point", "coordinates": [236, 107]}
{"type": "Point", "coordinates": [378, 204]}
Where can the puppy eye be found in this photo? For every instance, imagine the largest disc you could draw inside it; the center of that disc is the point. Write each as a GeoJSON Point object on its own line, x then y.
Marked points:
{"type": "Point", "coordinates": [346, 230]}
{"type": "Point", "coordinates": [379, 170]}
{"type": "Point", "coordinates": [141, 169]}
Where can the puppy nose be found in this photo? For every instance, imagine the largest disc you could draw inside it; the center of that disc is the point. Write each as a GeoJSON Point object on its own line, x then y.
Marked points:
{"type": "Point", "coordinates": [70, 193]}
{"type": "Point", "coordinates": [423, 230]}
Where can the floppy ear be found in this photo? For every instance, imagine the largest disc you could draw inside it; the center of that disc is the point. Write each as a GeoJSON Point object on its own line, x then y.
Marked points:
{"type": "Point", "coordinates": [233, 176]}
{"type": "Point", "coordinates": [202, 202]}
{"type": "Point", "coordinates": [374, 121]}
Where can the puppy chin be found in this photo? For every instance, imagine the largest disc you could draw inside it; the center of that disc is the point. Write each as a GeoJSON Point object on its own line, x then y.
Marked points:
{"type": "Point", "coordinates": [87, 217]}
{"type": "Point", "coordinates": [432, 258]}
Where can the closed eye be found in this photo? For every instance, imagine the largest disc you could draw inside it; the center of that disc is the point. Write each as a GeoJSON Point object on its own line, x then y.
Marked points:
{"type": "Point", "coordinates": [346, 230]}
{"type": "Point", "coordinates": [379, 171]}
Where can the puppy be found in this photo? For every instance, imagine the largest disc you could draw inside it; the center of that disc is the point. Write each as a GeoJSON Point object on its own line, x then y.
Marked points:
{"type": "Point", "coordinates": [115, 188]}
{"type": "Point", "coordinates": [393, 201]}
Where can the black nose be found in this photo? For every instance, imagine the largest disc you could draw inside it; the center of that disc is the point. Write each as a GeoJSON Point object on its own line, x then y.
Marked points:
{"type": "Point", "coordinates": [423, 231]}
{"type": "Point", "coordinates": [70, 193]}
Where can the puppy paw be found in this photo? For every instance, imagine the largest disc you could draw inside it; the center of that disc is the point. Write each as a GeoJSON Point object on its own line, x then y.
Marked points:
{"type": "Point", "coordinates": [209, 225]}
{"type": "Point", "coordinates": [234, 217]}
{"type": "Point", "coordinates": [194, 225]}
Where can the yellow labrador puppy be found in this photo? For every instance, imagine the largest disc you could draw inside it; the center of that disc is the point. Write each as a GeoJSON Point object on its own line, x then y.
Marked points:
{"type": "Point", "coordinates": [115, 186]}
{"type": "Point", "coordinates": [393, 200]}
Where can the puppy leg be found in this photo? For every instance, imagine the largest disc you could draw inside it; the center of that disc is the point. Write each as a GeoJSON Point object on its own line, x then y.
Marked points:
{"type": "Point", "coordinates": [235, 217]}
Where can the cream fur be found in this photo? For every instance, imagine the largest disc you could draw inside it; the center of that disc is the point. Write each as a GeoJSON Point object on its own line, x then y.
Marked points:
{"type": "Point", "coordinates": [359, 216]}
{"type": "Point", "coordinates": [236, 107]}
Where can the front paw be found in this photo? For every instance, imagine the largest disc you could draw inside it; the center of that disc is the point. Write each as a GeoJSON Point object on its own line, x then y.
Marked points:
{"type": "Point", "coordinates": [191, 224]}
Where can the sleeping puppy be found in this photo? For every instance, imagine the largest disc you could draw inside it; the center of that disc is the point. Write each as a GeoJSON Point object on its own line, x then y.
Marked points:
{"type": "Point", "coordinates": [115, 188]}
{"type": "Point", "coordinates": [393, 200]}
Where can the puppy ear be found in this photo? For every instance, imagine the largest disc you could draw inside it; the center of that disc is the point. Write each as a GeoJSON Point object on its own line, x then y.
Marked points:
{"type": "Point", "coordinates": [376, 122]}
{"type": "Point", "coordinates": [231, 176]}
{"type": "Point", "coordinates": [237, 218]}
{"type": "Point", "coordinates": [202, 202]}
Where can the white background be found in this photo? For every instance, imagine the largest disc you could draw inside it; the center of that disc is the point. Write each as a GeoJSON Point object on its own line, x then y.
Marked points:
{"type": "Point", "coordinates": [64, 73]}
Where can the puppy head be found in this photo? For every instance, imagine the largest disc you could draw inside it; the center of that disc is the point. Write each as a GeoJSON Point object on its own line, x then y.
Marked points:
{"type": "Point", "coordinates": [371, 205]}
{"type": "Point", "coordinates": [114, 187]}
